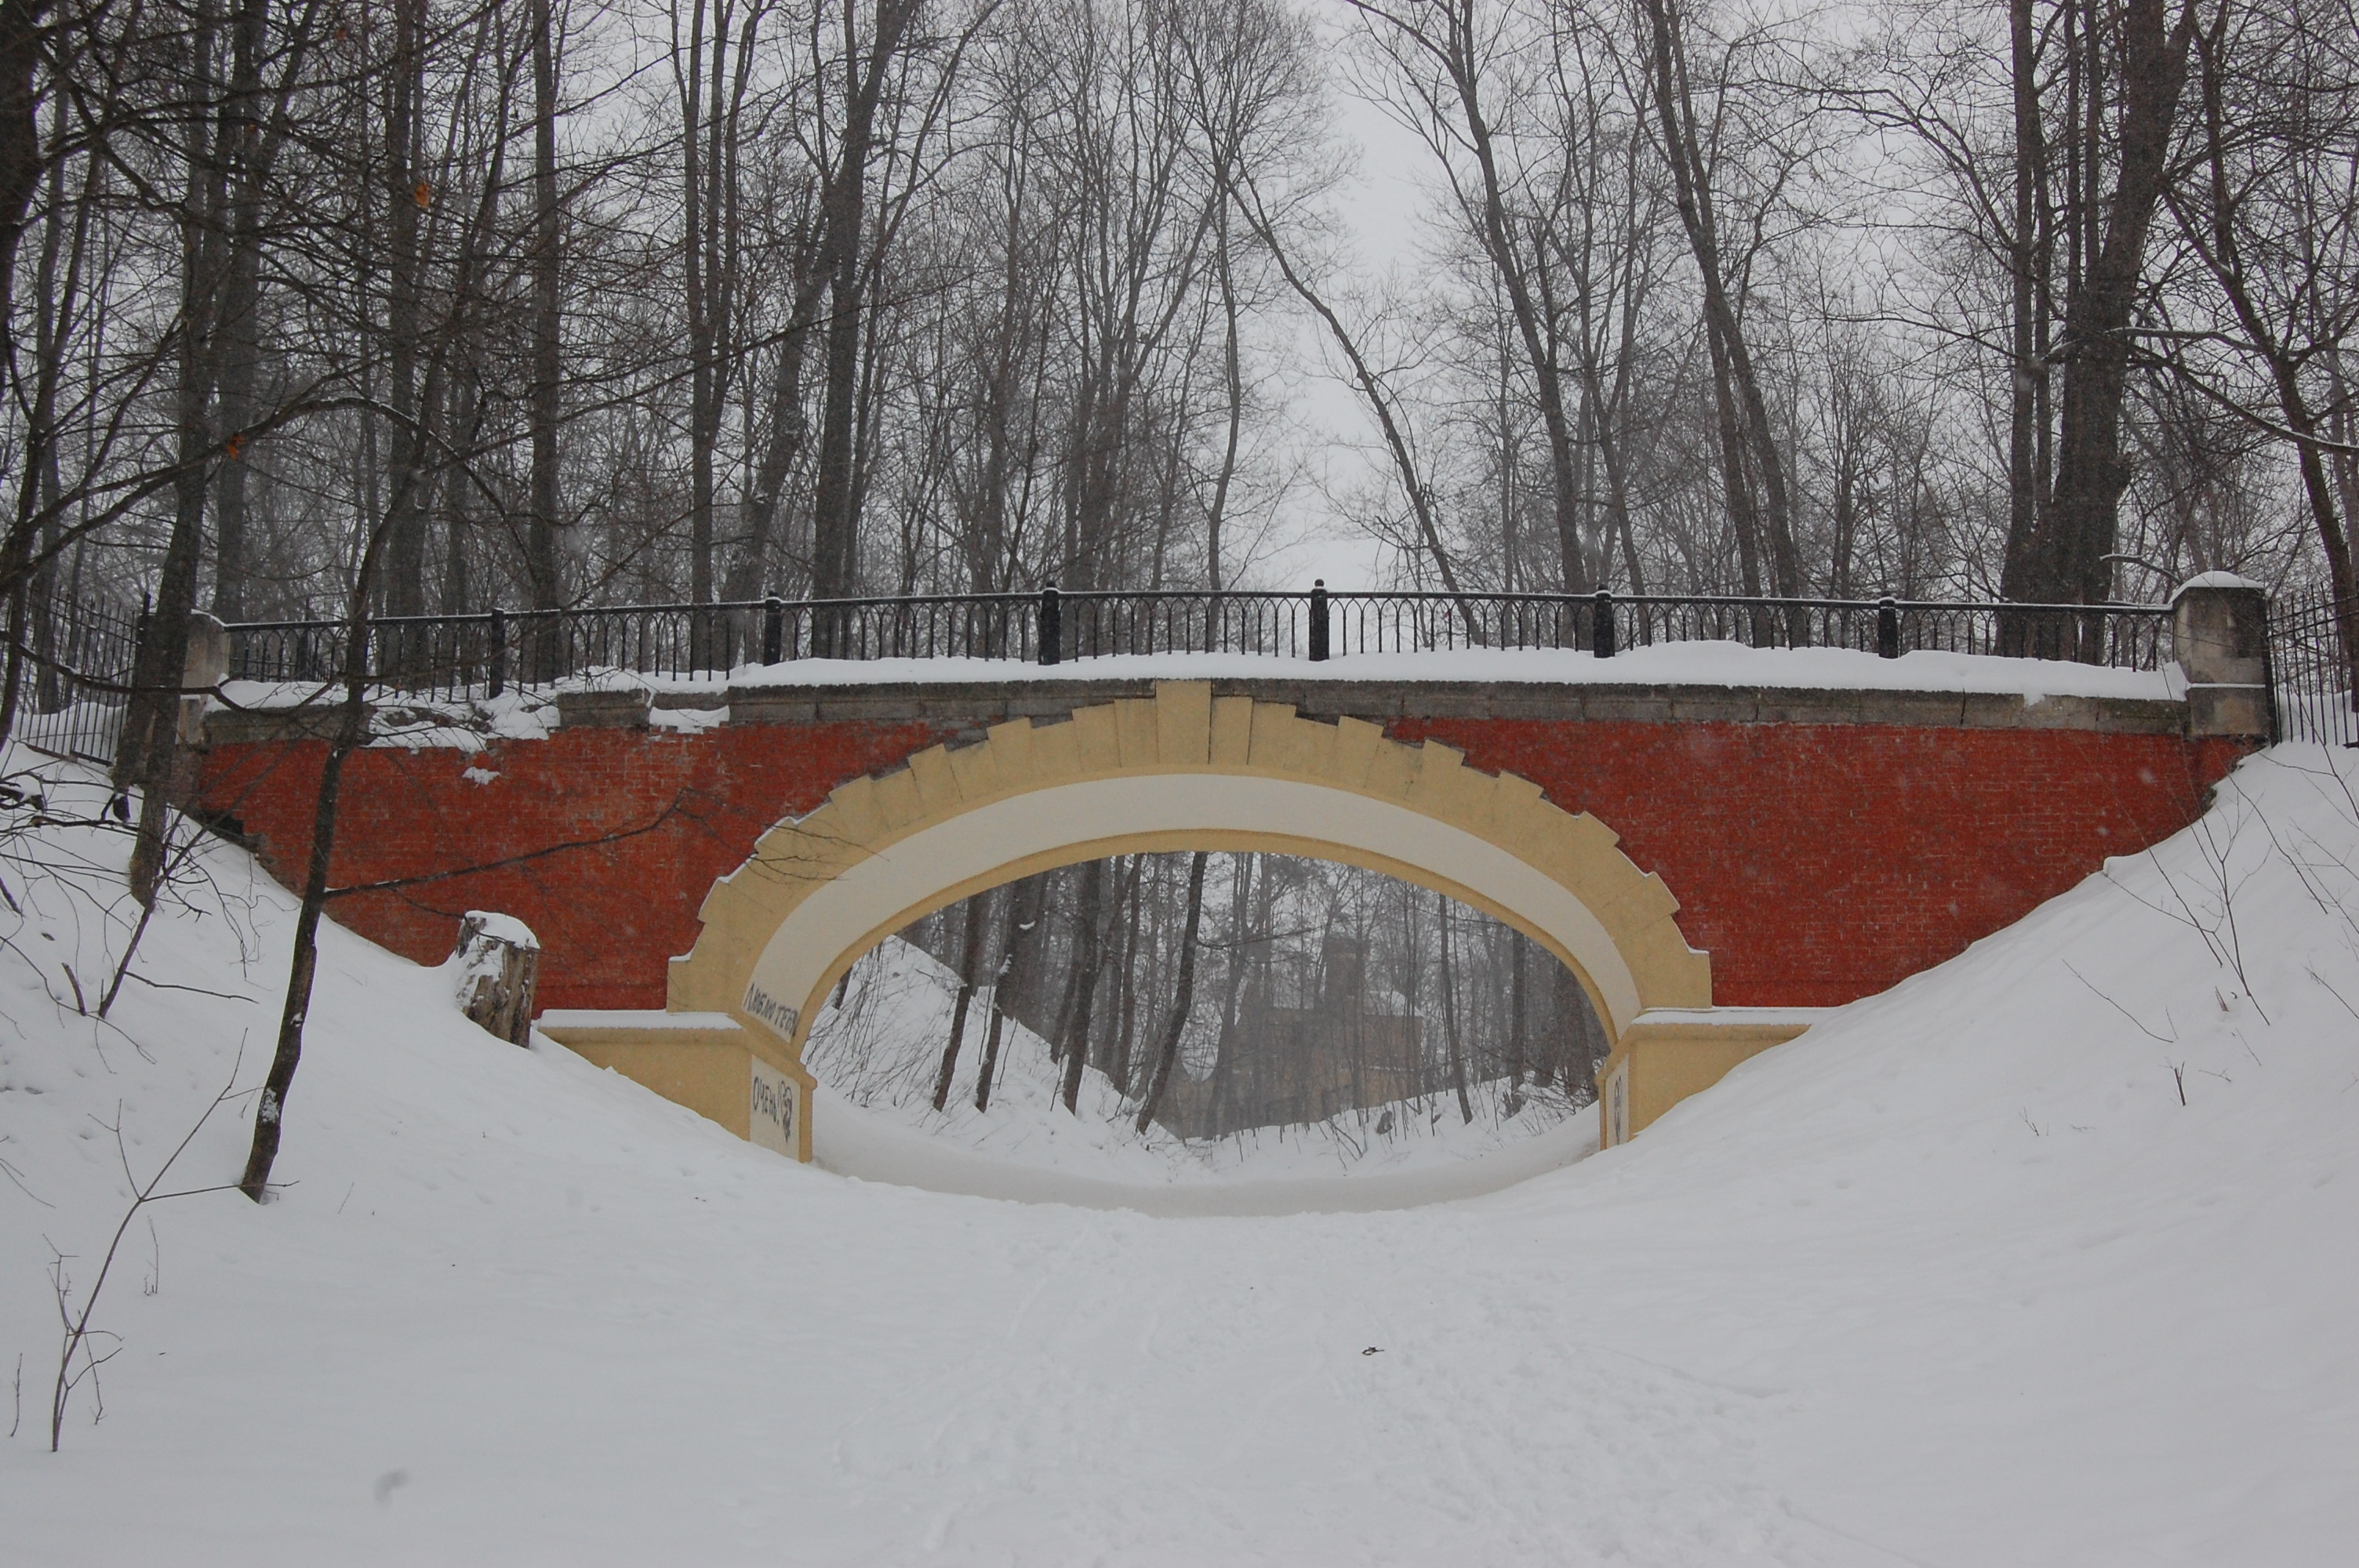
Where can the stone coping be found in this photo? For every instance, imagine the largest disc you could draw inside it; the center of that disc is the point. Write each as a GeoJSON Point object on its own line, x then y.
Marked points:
{"type": "Point", "coordinates": [1381, 700]}
{"type": "Point", "coordinates": [973, 705]}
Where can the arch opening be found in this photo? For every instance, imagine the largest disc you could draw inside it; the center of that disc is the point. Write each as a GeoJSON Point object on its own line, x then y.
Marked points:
{"type": "Point", "coordinates": [1072, 824]}
{"type": "Point", "coordinates": [1331, 1018]}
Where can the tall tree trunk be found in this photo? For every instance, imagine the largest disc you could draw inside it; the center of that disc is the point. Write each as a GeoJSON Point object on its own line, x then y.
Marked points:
{"type": "Point", "coordinates": [255, 149]}
{"type": "Point", "coordinates": [704, 405]}
{"type": "Point", "coordinates": [1241, 895]}
{"type": "Point", "coordinates": [350, 733]}
{"type": "Point", "coordinates": [2028, 290]}
{"type": "Point", "coordinates": [784, 447]}
{"type": "Point", "coordinates": [1125, 967]}
{"type": "Point", "coordinates": [835, 520]}
{"type": "Point", "coordinates": [1379, 400]}
{"type": "Point", "coordinates": [1167, 1055]}
{"type": "Point", "coordinates": [1577, 1064]}
{"type": "Point", "coordinates": [1509, 261]}
{"type": "Point", "coordinates": [2222, 254]}
{"type": "Point", "coordinates": [1450, 1012]}
{"type": "Point", "coordinates": [1735, 463]}
{"type": "Point", "coordinates": [545, 399]}
{"type": "Point", "coordinates": [150, 742]}
{"type": "Point", "coordinates": [2064, 561]}
{"type": "Point", "coordinates": [1690, 178]}
{"type": "Point", "coordinates": [712, 94]}
{"type": "Point", "coordinates": [28, 575]}
{"type": "Point", "coordinates": [1234, 383]}
{"type": "Point", "coordinates": [1073, 1038]}
{"type": "Point", "coordinates": [22, 24]}
{"type": "Point", "coordinates": [407, 193]}
{"type": "Point", "coordinates": [1023, 917]}
{"type": "Point", "coordinates": [1516, 944]}
{"type": "Point", "coordinates": [978, 916]}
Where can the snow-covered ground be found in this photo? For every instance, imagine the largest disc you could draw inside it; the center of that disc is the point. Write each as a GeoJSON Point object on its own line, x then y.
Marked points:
{"type": "Point", "coordinates": [878, 1054]}
{"type": "Point", "coordinates": [1956, 1278]}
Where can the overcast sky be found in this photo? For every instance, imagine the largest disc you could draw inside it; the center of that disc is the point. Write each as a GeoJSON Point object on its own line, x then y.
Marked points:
{"type": "Point", "coordinates": [1382, 207]}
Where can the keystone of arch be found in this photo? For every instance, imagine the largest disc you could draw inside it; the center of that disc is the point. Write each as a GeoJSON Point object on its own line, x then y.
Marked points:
{"type": "Point", "coordinates": [1181, 770]}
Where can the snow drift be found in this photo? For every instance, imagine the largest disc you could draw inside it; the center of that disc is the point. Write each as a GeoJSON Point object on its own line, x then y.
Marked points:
{"type": "Point", "coordinates": [2044, 1257]}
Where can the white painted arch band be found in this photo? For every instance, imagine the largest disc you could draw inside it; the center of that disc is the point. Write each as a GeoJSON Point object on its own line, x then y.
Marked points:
{"type": "Point", "coordinates": [904, 878]}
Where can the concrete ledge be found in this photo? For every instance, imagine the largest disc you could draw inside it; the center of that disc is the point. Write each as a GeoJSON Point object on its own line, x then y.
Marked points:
{"type": "Point", "coordinates": [1669, 1054]}
{"type": "Point", "coordinates": [257, 726]}
{"type": "Point", "coordinates": [2226, 710]}
{"type": "Point", "coordinates": [967, 709]}
{"type": "Point", "coordinates": [602, 709]}
{"type": "Point", "coordinates": [981, 703]}
{"type": "Point", "coordinates": [705, 1060]}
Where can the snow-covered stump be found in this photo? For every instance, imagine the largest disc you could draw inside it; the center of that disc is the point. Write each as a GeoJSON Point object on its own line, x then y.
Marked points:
{"type": "Point", "coordinates": [499, 960]}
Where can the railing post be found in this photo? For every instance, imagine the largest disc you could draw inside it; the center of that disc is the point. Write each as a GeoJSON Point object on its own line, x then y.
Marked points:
{"type": "Point", "coordinates": [1601, 631]}
{"type": "Point", "coordinates": [1318, 647]}
{"type": "Point", "coordinates": [499, 672]}
{"type": "Point", "coordinates": [774, 630]}
{"type": "Point", "coordinates": [1888, 628]}
{"type": "Point", "coordinates": [2219, 639]}
{"type": "Point", "coordinates": [547, 663]}
{"type": "Point", "coordinates": [1052, 625]}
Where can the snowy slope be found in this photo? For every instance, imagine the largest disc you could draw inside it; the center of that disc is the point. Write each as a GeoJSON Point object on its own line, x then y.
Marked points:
{"type": "Point", "coordinates": [1954, 1279]}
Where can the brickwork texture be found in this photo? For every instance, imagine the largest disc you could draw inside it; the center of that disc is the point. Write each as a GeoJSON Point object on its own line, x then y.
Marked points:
{"type": "Point", "coordinates": [1817, 863]}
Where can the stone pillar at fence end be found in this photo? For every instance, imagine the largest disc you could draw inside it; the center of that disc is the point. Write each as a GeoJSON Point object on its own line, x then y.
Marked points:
{"type": "Point", "coordinates": [2219, 637]}
{"type": "Point", "coordinates": [498, 964]}
{"type": "Point", "coordinates": [204, 668]}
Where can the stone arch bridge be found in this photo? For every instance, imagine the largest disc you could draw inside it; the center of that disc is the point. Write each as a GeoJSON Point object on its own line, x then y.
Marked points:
{"type": "Point", "coordinates": [1716, 863]}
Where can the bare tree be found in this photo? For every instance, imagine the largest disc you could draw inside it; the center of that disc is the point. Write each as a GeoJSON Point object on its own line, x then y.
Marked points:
{"type": "Point", "coordinates": [2139, 53]}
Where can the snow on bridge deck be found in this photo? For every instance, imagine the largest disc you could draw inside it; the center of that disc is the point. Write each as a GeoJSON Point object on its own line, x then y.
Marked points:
{"type": "Point", "coordinates": [1695, 675]}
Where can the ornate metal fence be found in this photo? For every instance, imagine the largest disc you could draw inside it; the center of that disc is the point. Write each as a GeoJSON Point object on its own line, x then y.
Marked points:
{"type": "Point", "coordinates": [492, 653]}
{"type": "Point", "coordinates": [2313, 647]}
{"type": "Point", "coordinates": [73, 676]}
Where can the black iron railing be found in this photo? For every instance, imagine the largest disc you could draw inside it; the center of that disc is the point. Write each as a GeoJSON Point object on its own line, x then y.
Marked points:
{"type": "Point", "coordinates": [2130, 637]}
{"type": "Point", "coordinates": [80, 653]}
{"type": "Point", "coordinates": [494, 652]}
{"type": "Point", "coordinates": [2313, 645]}
{"type": "Point", "coordinates": [74, 676]}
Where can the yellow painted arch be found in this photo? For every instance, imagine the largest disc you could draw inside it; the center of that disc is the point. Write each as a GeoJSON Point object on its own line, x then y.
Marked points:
{"type": "Point", "coordinates": [1179, 771]}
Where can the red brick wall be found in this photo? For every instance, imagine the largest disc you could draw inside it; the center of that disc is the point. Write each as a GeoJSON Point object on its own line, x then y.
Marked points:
{"type": "Point", "coordinates": [1819, 863]}
{"type": "Point", "coordinates": [1816, 863]}
{"type": "Point", "coordinates": [607, 917]}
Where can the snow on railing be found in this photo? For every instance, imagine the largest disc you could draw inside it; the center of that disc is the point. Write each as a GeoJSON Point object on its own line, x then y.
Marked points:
{"type": "Point", "coordinates": [492, 651]}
